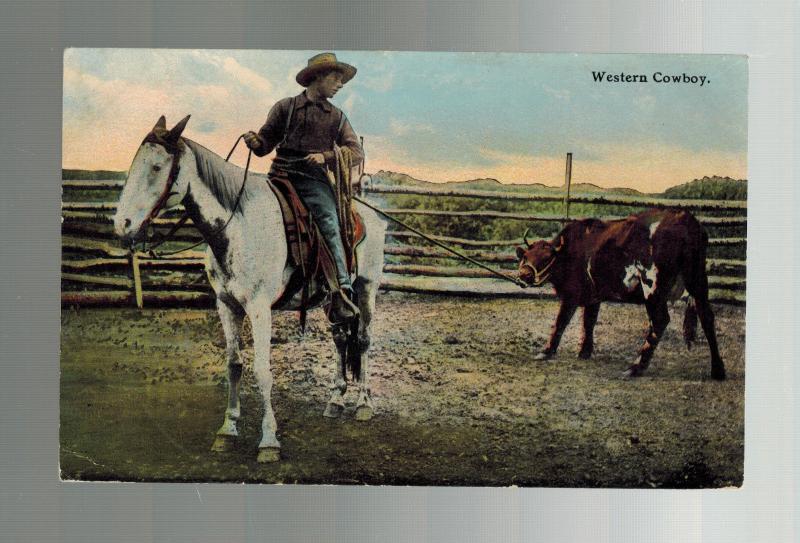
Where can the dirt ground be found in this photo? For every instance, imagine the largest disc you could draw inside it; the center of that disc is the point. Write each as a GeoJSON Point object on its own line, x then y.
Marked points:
{"type": "Point", "coordinates": [458, 398]}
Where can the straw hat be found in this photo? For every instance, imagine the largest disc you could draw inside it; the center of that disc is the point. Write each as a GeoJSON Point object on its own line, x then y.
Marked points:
{"type": "Point", "coordinates": [322, 62]}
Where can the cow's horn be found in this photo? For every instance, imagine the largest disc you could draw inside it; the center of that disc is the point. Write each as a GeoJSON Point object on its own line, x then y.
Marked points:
{"type": "Point", "coordinates": [525, 237]}
{"type": "Point", "coordinates": [560, 243]}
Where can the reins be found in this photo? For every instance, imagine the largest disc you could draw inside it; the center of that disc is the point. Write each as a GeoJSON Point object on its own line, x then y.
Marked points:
{"type": "Point", "coordinates": [501, 275]}
{"type": "Point", "coordinates": [185, 216]}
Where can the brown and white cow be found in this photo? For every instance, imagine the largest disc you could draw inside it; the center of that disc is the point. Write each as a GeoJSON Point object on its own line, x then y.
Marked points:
{"type": "Point", "coordinates": [647, 259]}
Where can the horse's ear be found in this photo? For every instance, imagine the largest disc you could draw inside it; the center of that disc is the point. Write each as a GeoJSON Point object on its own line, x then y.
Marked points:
{"type": "Point", "coordinates": [176, 131]}
{"type": "Point", "coordinates": [161, 123]}
{"type": "Point", "coordinates": [520, 252]}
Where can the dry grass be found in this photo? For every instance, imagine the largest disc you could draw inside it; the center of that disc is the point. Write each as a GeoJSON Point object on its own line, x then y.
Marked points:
{"type": "Point", "coordinates": [459, 400]}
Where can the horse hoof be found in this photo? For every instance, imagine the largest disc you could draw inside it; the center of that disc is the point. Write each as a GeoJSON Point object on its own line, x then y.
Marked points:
{"type": "Point", "coordinates": [269, 455]}
{"type": "Point", "coordinates": [223, 443]}
{"type": "Point", "coordinates": [333, 411]}
{"type": "Point", "coordinates": [630, 373]}
{"type": "Point", "coordinates": [585, 355]}
{"type": "Point", "coordinates": [718, 375]}
{"type": "Point", "coordinates": [543, 356]}
{"type": "Point", "coordinates": [364, 413]}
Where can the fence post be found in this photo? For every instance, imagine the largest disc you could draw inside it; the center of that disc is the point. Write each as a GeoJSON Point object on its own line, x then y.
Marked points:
{"type": "Point", "coordinates": [137, 280]}
{"type": "Point", "coordinates": [568, 182]}
{"type": "Point", "coordinates": [363, 158]}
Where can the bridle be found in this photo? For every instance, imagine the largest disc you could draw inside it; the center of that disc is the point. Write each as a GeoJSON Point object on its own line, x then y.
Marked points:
{"type": "Point", "coordinates": [175, 151]}
{"type": "Point", "coordinates": [539, 277]}
{"type": "Point", "coordinates": [174, 170]}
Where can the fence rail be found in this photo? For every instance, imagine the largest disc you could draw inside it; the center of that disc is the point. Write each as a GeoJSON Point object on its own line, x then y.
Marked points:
{"type": "Point", "coordinates": [632, 201]}
{"type": "Point", "coordinates": [96, 271]}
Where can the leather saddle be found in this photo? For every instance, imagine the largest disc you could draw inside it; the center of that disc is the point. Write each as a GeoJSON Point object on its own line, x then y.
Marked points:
{"type": "Point", "coordinates": [307, 251]}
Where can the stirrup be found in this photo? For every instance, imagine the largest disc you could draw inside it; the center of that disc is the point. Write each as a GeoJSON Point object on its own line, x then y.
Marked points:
{"type": "Point", "coordinates": [342, 309]}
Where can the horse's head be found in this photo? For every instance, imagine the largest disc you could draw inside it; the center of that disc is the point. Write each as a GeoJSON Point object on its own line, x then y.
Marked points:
{"type": "Point", "coordinates": [152, 181]}
{"type": "Point", "coordinates": [536, 260]}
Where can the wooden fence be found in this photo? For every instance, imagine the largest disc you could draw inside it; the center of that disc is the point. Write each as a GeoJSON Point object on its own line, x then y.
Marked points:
{"type": "Point", "coordinates": [97, 271]}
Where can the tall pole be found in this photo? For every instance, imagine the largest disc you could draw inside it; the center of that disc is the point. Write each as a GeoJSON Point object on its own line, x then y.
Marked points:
{"type": "Point", "coordinates": [568, 182]}
{"type": "Point", "coordinates": [363, 160]}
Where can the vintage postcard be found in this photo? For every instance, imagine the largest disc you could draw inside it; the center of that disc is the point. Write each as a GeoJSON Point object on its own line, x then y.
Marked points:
{"type": "Point", "coordinates": [403, 268]}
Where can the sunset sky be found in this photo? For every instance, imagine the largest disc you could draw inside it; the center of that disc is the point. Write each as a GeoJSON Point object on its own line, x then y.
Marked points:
{"type": "Point", "coordinates": [435, 116]}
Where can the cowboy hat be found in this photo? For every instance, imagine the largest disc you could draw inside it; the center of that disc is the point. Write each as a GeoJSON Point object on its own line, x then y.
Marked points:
{"type": "Point", "coordinates": [324, 62]}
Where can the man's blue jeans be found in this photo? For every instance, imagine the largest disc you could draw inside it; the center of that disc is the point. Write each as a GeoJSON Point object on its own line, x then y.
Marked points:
{"type": "Point", "coordinates": [317, 195]}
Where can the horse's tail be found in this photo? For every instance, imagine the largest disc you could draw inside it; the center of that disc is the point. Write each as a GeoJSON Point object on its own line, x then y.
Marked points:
{"type": "Point", "coordinates": [690, 323]}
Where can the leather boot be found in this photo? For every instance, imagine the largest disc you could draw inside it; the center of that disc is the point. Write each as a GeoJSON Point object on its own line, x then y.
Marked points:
{"type": "Point", "coordinates": [342, 309]}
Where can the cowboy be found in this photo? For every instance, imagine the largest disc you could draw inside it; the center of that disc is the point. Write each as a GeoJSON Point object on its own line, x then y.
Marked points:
{"type": "Point", "coordinates": [304, 129]}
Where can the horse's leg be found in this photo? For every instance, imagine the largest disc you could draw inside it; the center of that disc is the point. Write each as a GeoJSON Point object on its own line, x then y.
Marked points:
{"type": "Point", "coordinates": [260, 314]}
{"type": "Point", "coordinates": [366, 292]}
{"type": "Point", "coordinates": [658, 313]}
{"type": "Point", "coordinates": [590, 313]}
{"type": "Point", "coordinates": [232, 326]}
{"type": "Point", "coordinates": [565, 313]}
{"type": "Point", "coordinates": [339, 385]}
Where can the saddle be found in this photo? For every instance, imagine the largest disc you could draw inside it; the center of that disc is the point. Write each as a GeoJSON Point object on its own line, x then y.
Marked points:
{"type": "Point", "coordinates": [307, 252]}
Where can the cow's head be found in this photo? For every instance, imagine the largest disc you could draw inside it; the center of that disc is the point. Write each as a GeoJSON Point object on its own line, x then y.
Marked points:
{"type": "Point", "coordinates": [536, 261]}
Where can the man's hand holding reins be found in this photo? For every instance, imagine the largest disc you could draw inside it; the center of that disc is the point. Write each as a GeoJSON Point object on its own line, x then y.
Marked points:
{"type": "Point", "coordinates": [252, 140]}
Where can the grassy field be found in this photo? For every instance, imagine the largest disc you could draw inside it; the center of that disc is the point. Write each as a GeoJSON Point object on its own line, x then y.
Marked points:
{"type": "Point", "coordinates": [459, 400]}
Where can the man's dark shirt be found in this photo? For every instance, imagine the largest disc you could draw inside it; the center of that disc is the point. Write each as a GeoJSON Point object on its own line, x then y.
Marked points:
{"type": "Point", "coordinates": [314, 128]}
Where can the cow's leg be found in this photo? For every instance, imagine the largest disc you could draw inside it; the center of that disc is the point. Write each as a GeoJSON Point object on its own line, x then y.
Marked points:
{"type": "Point", "coordinates": [706, 316]}
{"type": "Point", "coordinates": [232, 325]}
{"type": "Point", "coordinates": [260, 314]}
{"type": "Point", "coordinates": [590, 313]}
{"type": "Point", "coordinates": [565, 313]}
{"type": "Point", "coordinates": [658, 313]}
{"type": "Point", "coordinates": [335, 404]}
{"type": "Point", "coordinates": [697, 285]}
{"type": "Point", "coordinates": [366, 292]}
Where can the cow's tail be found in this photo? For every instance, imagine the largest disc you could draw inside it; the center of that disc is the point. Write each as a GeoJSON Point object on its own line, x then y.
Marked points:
{"type": "Point", "coordinates": [690, 323]}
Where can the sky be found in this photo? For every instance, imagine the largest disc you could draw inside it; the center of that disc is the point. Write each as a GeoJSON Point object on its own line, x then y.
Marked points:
{"type": "Point", "coordinates": [435, 116]}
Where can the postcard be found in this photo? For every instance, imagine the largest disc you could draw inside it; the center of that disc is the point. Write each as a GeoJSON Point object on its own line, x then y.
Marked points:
{"type": "Point", "coordinates": [403, 268]}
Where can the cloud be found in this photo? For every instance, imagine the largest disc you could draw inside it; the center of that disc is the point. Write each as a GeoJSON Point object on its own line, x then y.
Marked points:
{"type": "Point", "coordinates": [350, 103]}
{"type": "Point", "coordinates": [382, 82]}
{"type": "Point", "coordinates": [403, 128]}
{"type": "Point", "coordinates": [103, 117]}
{"type": "Point", "coordinates": [206, 127]}
{"type": "Point", "coordinates": [112, 98]}
{"type": "Point", "coordinates": [247, 77]}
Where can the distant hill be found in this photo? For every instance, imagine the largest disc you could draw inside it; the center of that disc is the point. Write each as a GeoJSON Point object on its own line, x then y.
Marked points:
{"type": "Point", "coordinates": [82, 175]}
{"type": "Point", "coordinates": [711, 188]}
{"type": "Point", "coordinates": [393, 178]}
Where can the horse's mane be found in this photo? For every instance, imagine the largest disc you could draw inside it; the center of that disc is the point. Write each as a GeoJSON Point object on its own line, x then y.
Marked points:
{"type": "Point", "coordinates": [223, 179]}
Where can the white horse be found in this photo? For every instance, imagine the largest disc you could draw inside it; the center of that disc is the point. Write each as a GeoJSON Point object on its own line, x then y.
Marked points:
{"type": "Point", "coordinates": [247, 264]}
